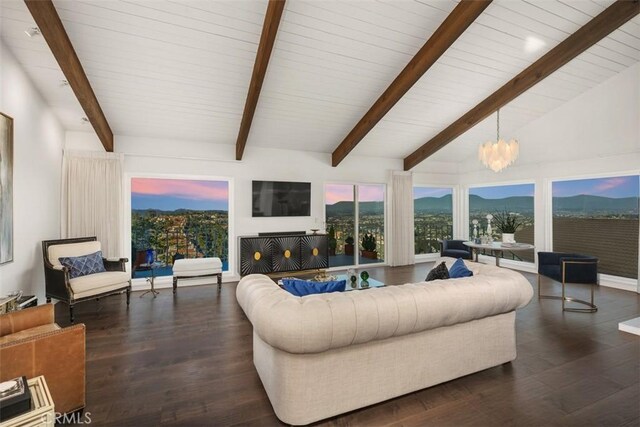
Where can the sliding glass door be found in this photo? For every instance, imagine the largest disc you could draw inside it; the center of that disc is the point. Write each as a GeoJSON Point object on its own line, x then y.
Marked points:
{"type": "Point", "coordinates": [370, 223]}
{"type": "Point", "coordinates": [356, 230]}
{"type": "Point", "coordinates": [340, 214]}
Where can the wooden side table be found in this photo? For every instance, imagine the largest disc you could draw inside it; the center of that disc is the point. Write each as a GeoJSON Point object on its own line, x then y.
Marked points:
{"type": "Point", "coordinates": [42, 409]}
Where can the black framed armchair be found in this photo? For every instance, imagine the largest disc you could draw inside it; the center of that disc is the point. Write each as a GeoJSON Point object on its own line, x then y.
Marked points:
{"type": "Point", "coordinates": [455, 249]}
{"type": "Point", "coordinates": [568, 268]}
{"type": "Point", "coordinates": [59, 285]}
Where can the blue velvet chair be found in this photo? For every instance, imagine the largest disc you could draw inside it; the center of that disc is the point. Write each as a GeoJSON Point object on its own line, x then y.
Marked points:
{"type": "Point", "coordinates": [455, 249]}
{"type": "Point", "coordinates": [569, 268]}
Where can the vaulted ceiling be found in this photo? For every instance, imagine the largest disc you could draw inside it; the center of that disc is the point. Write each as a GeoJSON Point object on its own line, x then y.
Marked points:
{"type": "Point", "coordinates": [181, 69]}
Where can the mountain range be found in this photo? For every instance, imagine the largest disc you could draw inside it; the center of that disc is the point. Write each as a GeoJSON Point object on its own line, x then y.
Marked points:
{"type": "Point", "coordinates": [595, 203]}
{"type": "Point", "coordinates": [151, 211]}
{"type": "Point", "coordinates": [522, 204]}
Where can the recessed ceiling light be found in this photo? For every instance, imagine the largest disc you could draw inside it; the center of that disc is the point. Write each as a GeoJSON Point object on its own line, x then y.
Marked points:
{"type": "Point", "coordinates": [533, 44]}
{"type": "Point", "coordinates": [84, 121]}
{"type": "Point", "coordinates": [33, 31]}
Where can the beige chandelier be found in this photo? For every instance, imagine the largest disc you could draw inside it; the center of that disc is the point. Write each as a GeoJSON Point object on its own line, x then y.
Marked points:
{"type": "Point", "coordinates": [500, 154]}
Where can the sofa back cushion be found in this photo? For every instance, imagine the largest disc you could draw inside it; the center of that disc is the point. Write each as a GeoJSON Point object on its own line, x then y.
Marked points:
{"type": "Point", "coordinates": [83, 265]}
{"type": "Point", "coordinates": [55, 252]}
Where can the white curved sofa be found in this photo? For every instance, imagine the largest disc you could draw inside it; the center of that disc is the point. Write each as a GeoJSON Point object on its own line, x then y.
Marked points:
{"type": "Point", "coordinates": [323, 355]}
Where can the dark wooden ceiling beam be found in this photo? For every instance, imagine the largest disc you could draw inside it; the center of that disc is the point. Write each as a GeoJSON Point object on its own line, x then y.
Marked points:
{"type": "Point", "coordinates": [595, 30]}
{"type": "Point", "coordinates": [47, 19]}
{"type": "Point", "coordinates": [447, 33]}
{"type": "Point", "coordinates": [267, 40]}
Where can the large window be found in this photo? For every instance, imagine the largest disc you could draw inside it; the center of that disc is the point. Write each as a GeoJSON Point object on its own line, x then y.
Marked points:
{"type": "Point", "coordinates": [356, 231]}
{"type": "Point", "coordinates": [433, 218]}
{"type": "Point", "coordinates": [340, 212]}
{"type": "Point", "coordinates": [599, 217]}
{"type": "Point", "coordinates": [178, 218]}
{"type": "Point", "coordinates": [371, 223]}
{"type": "Point", "coordinates": [516, 200]}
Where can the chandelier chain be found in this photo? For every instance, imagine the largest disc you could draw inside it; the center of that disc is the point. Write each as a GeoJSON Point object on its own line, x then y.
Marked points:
{"type": "Point", "coordinates": [498, 126]}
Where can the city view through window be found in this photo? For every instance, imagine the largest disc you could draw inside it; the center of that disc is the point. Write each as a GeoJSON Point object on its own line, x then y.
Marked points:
{"type": "Point", "coordinates": [178, 218]}
{"type": "Point", "coordinates": [599, 217]}
{"type": "Point", "coordinates": [433, 218]}
{"type": "Point", "coordinates": [346, 246]}
{"type": "Point", "coordinates": [514, 200]}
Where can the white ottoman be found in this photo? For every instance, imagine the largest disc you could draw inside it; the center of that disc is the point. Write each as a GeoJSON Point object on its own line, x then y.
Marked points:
{"type": "Point", "coordinates": [197, 268]}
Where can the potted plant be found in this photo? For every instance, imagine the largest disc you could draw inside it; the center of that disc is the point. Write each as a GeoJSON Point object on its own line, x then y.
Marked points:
{"type": "Point", "coordinates": [348, 246]}
{"type": "Point", "coordinates": [333, 243]}
{"type": "Point", "coordinates": [507, 223]}
{"type": "Point", "coordinates": [369, 247]}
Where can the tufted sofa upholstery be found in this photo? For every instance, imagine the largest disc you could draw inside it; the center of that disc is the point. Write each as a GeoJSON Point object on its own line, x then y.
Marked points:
{"type": "Point", "coordinates": [464, 324]}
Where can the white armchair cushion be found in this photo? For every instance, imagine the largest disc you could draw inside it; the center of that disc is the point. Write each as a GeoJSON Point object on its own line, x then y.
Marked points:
{"type": "Point", "coordinates": [98, 283]}
{"type": "Point", "coordinates": [71, 250]}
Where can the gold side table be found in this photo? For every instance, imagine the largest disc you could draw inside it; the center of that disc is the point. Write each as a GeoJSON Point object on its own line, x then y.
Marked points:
{"type": "Point", "coordinates": [42, 408]}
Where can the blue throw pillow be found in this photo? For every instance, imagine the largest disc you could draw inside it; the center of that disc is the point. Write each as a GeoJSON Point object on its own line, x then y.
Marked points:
{"type": "Point", "coordinates": [83, 265]}
{"type": "Point", "coordinates": [459, 269]}
{"type": "Point", "coordinates": [301, 288]}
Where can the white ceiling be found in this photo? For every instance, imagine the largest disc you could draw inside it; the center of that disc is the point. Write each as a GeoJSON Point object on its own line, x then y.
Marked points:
{"type": "Point", "coordinates": [181, 69]}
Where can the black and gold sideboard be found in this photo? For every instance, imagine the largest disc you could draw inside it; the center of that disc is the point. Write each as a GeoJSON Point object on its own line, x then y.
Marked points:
{"type": "Point", "coordinates": [281, 253]}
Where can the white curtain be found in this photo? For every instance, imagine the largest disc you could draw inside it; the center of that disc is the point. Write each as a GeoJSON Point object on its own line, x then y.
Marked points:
{"type": "Point", "coordinates": [402, 232]}
{"type": "Point", "coordinates": [92, 198]}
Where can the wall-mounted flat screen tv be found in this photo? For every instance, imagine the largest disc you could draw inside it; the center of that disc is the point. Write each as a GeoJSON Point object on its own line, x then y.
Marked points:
{"type": "Point", "coordinates": [276, 198]}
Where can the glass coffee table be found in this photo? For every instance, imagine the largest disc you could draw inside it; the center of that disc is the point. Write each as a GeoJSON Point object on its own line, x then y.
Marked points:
{"type": "Point", "coordinates": [360, 284]}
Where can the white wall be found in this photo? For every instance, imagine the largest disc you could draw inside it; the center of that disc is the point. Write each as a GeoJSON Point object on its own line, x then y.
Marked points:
{"type": "Point", "coordinates": [595, 134]}
{"type": "Point", "coordinates": [38, 143]}
{"type": "Point", "coordinates": [157, 158]}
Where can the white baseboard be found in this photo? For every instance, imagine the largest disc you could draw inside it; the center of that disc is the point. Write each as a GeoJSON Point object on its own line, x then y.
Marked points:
{"type": "Point", "coordinates": [631, 326]}
{"type": "Point", "coordinates": [619, 283]}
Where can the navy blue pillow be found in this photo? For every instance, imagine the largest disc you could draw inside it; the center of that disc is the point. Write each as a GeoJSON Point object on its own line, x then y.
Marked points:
{"type": "Point", "coordinates": [83, 265]}
{"type": "Point", "coordinates": [301, 288]}
{"type": "Point", "coordinates": [459, 269]}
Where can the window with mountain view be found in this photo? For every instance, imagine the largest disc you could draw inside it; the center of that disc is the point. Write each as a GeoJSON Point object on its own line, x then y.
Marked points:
{"type": "Point", "coordinates": [433, 218]}
{"type": "Point", "coordinates": [371, 223]}
{"type": "Point", "coordinates": [354, 242]}
{"type": "Point", "coordinates": [178, 218]}
{"type": "Point", "coordinates": [599, 217]}
{"type": "Point", "coordinates": [515, 200]}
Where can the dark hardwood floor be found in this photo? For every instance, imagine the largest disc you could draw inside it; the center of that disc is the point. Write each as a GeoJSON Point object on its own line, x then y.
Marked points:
{"type": "Point", "coordinates": [188, 361]}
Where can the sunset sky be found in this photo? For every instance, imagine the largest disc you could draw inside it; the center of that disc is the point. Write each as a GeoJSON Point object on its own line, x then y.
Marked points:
{"type": "Point", "coordinates": [172, 194]}
{"type": "Point", "coordinates": [615, 187]}
{"type": "Point", "coordinates": [335, 193]}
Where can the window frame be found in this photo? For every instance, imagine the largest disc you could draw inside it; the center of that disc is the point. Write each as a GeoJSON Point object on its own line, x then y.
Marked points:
{"type": "Point", "coordinates": [521, 265]}
{"type": "Point", "coordinates": [455, 204]}
{"type": "Point", "coordinates": [618, 282]}
{"type": "Point", "coordinates": [356, 256]}
{"type": "Point", "coordinates": [168, 280]}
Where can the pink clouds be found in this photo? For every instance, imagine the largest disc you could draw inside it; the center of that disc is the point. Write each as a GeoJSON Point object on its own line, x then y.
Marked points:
{"type": "Point", "coordinates": [610, 183]}
{"type": "Point", "coordinates": [371, 193]}
{"type": "Point", "coordinates": [335, 193]}
{"type": "Point", "coordinates": [187, 189]}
